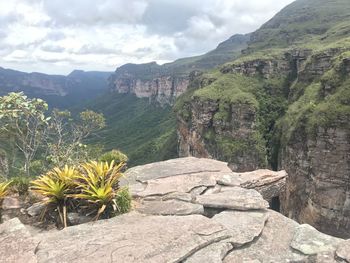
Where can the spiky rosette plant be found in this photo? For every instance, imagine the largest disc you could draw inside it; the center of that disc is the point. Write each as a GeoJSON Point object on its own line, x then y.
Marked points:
{"type": "Point", "coordinates": [4, 189]}
{"type": "Point", "coordinates": [57, 185]}
{"type": "Point", "coordinates": [99, 185]}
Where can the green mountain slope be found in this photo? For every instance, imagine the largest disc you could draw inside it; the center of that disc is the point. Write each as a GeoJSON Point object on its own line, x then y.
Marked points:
{"type": "Point", "coordinates": [145, 132]}
{"type": "Point", "coordinates": [293, 72]}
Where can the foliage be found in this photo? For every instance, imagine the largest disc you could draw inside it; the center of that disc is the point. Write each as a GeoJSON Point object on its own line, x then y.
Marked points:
{"type": "Point", "coordinates": [4, 189]}
{"type": "Point", "coordinates": [23, 120]}
{"type": "Point", "coordinates": [56, 185]}
{"type": "Point", "coordinates": [143, 131]}
{"type": "Point", "coordinates": [20, 184]}
{"type": "Point", "coordinates": [65, 136]}
{"type": "Point", "coordinates": [91, 188]}
{"type": "Point", "coordinates": [114, 155]}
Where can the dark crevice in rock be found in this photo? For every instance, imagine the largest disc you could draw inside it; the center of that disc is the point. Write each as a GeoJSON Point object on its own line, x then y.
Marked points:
{"type": "Point", "coordinates": [210, 212]}
{"type": "Point", "coordinates": [275, 204]}
{"type": "Point", "coordinates": [204, 245]}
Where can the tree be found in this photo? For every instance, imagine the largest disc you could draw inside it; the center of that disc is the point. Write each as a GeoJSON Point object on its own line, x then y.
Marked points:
{"type": "Point", "coordinates": [23, 120]}
{"type": "Point", "coordinates": [65, 135]}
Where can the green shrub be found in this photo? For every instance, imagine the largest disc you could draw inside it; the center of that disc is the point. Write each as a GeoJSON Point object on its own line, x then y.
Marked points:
{"type": "Point", "coordinates": [20, 184]}
{"type": "Point", "coordinates": [114, 155]}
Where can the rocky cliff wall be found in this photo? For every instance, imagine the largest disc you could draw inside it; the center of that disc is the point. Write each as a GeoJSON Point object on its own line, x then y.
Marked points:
{"type": "Point", "coordinates": [317, 153]}
{"type": "Point", "coordinates": [163, 89]}
{"type": "Point", "coordinates": [311, 135]}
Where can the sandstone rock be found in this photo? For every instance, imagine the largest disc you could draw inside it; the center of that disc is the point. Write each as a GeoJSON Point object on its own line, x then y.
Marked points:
{"type": "Point", "coordinates": [171, 207]}
{"type": "Point", "coordinates": [76, 218]}
{"type": "Point", "coordinates": [10, 202]}
{"type": "Point", "coordinates": [309, 241]}
{"type": "Point", "coordinates": [131, 238]}
{"type": "Point", "coordinates": [268, 183]}
{"type": "Point", "coordinates": [273, 244]}
{"type": "Point", "coordinates": [237, 198]}
{"type": "Point", "coordinates": [180, 166]}
{"type": "Point", "coordinates": [317, 184]}
{"type": "Point", "coordinates": [243, 226]}
{"type": "Point", "coordinates": [213, 253]}
{"type": "Point", "coordinates": [186, 197]}
{"type": "Point", "coordinates": [229, 179]}
{"type": "Point", "coordinates": [16, 243]}
{"type": "Point", "coordinates": [180, 183]}
{"type": "Point", "coordinates": [343, 251]}
{"type": "Point", "coordinates": [36, 209]}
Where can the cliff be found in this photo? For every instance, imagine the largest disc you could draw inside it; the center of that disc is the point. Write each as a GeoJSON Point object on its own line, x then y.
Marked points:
{"type": "Point", "coordinates": [164, 83]}
{"type": "Point", "coordinates": [283, 104]}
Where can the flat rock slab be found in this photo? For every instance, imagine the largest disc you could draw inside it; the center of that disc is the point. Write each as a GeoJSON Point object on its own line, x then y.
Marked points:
{"type": "Point", "coordinates": [244, 226]}
{"type": "Point", "coordinates": [170, 207]}
{"type": "Point", "coordinates": [260, 178]}
{"type": "Point", "coordinates": [236, 198]}
{"type": "Point", "coordinates": [273, 244]}
{"type": "Point", "coordinates": [16, 243]}
{"type": "Point", "coordinates": [180, 183]}
{"type": "Point", "coordinates": [343, 250]}
{"type": "Point", "coordinates": [309, 241]}
{"type": "Point", "coordinates": [131, 238]}
{"type": "Point", "coordinates": [213, 253]}
{"type": "Point", "coordinates": [188, 165]}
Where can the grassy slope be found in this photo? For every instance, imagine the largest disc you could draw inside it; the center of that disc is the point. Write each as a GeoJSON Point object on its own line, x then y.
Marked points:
{"type": "Point", "coordinates": [145, 132]}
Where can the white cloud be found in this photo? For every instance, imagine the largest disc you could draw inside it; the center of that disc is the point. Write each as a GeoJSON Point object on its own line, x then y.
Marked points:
{"type": "Point", "coordinates": [57, 36]}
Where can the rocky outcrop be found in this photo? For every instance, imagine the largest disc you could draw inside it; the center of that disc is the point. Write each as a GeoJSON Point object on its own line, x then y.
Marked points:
{"type": "Point", "coordinates": [265, 68]}
{"type": "Point", "coordinates": [162, 84]}
{"type": "Point", "coordinates": [162, 89]}
{"type": "Point", "coordinates": [165, 228]}
{"type": "Point", "coordinates": [318, 186]}
{"type": "Point", "coordinates": [197, 134]}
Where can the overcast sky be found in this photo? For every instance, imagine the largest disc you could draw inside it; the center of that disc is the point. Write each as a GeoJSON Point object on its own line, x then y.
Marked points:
{"type": "Point", "coordinates": [57, 36]}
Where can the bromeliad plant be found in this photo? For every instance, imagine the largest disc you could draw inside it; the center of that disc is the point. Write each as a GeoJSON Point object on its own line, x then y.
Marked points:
{"type": "Point", "coordinates": [56, 185]}
{"type": "Point", "coordinates": [99, 185]}
{"type": "Point", "coordinates": [4, 190]}
{"type": "Point", "coordinates": [93, 188]}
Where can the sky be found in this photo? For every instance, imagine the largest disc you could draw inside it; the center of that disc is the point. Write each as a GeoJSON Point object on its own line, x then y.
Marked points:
{"type": "Point", "coordinates": [58, 36]}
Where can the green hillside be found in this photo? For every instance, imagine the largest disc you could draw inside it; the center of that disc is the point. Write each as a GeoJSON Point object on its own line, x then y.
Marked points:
{"type": "Point", "coordinates": [145, 132]}
{"type": "Point", "coordinates": [313, 92]}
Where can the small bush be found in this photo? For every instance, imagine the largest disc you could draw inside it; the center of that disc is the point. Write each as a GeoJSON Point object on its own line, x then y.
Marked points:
{"type": "Point", "coordinates": [114, 155]}
{"type": "Point", "coordinates": [20, 185]}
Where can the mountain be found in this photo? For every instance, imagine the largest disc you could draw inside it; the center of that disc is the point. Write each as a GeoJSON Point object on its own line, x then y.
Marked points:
{"type": "Point", "coordinates": [140, 119]}
{"type": "Point", "coordinates": [57, 90]}
{"type": "Point", "coordinates": [284, 103]}
{"type": "Point", "coordinates": [164, 83]}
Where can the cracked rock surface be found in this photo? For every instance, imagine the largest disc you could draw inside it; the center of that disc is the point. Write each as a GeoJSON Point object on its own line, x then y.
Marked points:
{"type": "Point", "coordinates": [186, 210]}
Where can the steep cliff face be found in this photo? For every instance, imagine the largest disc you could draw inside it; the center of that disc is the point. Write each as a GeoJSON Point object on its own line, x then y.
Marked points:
{"type": "Point", "coordinates": [164, 83]}
{"type": "Point", "coordinates": [162, 89]}
{"type": "Point", "coordinates": [285, 100]}
{"type": "Point", "coordinates": [316, 151]}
